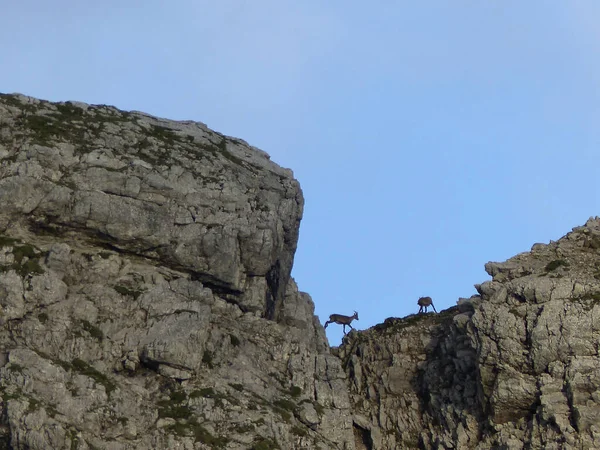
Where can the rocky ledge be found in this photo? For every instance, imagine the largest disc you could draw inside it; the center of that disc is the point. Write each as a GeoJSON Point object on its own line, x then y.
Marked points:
{"type": "Point", "coordinates": [515, 367]}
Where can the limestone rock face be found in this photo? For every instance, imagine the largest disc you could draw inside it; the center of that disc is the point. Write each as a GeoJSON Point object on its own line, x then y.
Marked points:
{"type": "Point", "coordinates": [515, 367]}
{"type": "Point", "coordinates": [145, 291]}
{"type": "Point", "coordinates": [174, 192]}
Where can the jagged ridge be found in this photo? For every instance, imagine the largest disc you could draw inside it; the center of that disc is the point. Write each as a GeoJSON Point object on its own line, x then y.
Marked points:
{"type": "Point", "coordinates": [514, 367]}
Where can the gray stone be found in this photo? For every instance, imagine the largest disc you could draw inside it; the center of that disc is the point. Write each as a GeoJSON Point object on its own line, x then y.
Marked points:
{"type": "Point", "coordinates": [515, 367]}
{"type": "Point", "coordinates": [146, 302]}
{"type": "Point", "coordinates": [146, 293]}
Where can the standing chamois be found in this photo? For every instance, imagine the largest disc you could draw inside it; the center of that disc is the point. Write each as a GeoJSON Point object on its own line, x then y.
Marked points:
{"type": "Point", "coordinates": [424, 303]}
{"type": "Point", "coordinates": [342, 320]}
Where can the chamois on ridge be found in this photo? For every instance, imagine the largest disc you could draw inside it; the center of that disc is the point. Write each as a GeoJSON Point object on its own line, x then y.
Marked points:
{"type": "Point", "coordinates": [340, 319]}
{"type": "Point", "coordinates": [424, 303]}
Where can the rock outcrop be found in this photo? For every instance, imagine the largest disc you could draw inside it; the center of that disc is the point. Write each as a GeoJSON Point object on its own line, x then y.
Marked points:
{"type": "Point", "coordinates": [146, 303]}
{"type": "Point", "coordinates": [145, 290]}
{"type": "Point", "coordinates": [515, 367]}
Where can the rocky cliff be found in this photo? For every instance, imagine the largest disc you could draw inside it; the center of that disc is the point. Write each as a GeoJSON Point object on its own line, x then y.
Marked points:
{"type": "Point", "coordinates": [146, 303]}
{"type": "Point", "coordinates": [146, 293]}
{"type": "Point", "coordinates": [515, 367]}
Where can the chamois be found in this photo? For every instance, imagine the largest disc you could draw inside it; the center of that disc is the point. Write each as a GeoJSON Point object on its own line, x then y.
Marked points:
{"type": "Point", "coordinates": [424, 303]}
{"type": "Point", "coordinates": [342, 320]}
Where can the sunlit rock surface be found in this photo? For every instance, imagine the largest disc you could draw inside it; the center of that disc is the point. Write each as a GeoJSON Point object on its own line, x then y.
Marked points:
{"type": "Point", "coordinates": [146, 303]}
{"type": "Point", "coordinates": [515, 367]}
{"type": "Point", "coordinates": [146, 293]}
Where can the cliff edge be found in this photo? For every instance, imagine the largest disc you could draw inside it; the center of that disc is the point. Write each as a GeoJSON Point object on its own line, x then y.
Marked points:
{"type": "Point", "coordinates": [145, 290]}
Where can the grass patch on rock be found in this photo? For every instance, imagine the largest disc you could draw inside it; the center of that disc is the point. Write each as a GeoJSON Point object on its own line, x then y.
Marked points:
{"type": "Point", "coordinates": [285, 404]}
{"type": "Point", "coordinates": [298, 431]}
{"type": "Point", "coordinates": [200, 434]}
{"type": "Point", "coordinates": [84, 368]}
{"type": "Point", "coordinates": [265, 444]}
{"type": "Point", "coordinates": [295, 391]}
{"type": "Point", "coordinates": [203, 392]}
{"type": "Point", "coordinates": [93, 330]}
{"type": "Point", "coordinates": [43, 317]}
{"type": "Point", "coordinates": [6, 241]}
{"type": "Point", "coordinates": [207, 358]}
{"type": "Point", "coordinates": [235, 341]}
{"type": "Point", "coordinates": [553, 265]}
{"type": "Point", "coordinates": [173, 407]}
{"type": "Point", "coordinates": [218, 397]}
{"type": "Point", "coordinates": [124, 290]}
{"type": "Point", "coordinates": [26, 257]}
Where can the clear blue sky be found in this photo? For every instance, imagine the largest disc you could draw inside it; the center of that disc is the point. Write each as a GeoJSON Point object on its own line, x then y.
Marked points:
{"type": "Point", "coordinates": [428, 137]}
